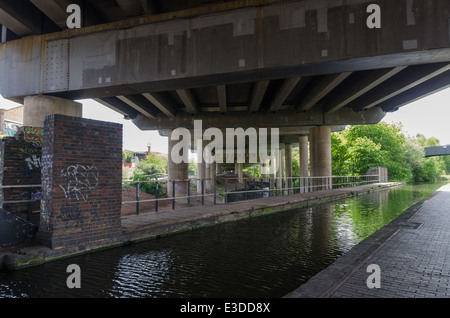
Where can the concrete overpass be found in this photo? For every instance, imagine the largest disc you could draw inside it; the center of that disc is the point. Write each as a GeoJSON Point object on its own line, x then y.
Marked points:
{"type": "Point", "coordinates": [437, 151]}
{"type": "Point", "coordinates": [306, 67]}
{"type": "Point", "coordinates": [259, 63]}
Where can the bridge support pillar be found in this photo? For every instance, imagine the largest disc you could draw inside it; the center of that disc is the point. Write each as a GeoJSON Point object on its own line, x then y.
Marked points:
{"type": "Point", "coordinates": [303, 162]}
{"type": "Point", "coordinates": [320, 155]}
{"type": "Point", "coordinates": [288, 165]}
{"type": "Point", "coordinates": [279, 172]}
{"type": "Point", "coordinates": [36, 108]}
{"type": "Point", "coordinates": [239, 169]}
{"type": "Point", "coordinates": [177, 172]}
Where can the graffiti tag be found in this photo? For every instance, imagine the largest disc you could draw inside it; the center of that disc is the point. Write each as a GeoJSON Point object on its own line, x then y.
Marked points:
{"type": "Point", "coordinates": [80, 181]}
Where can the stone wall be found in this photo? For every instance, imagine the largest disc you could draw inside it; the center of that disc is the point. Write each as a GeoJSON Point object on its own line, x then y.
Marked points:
{"type": "Point", "coordinates": [81, 183]}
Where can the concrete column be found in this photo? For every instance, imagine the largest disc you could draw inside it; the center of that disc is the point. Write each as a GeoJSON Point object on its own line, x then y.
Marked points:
{"type": "Point", "coordinates": [279, 173]}
{"type": "Point", "coordinates": [288, 164]}
{"type": "Point", "coordinates": [176, 172]}
{"type": "Point", "coordinates": [303, 156]}
{"type": "Point", "coordinates": [240, 172]}
{"type": "Point", "coordinates": [200, 166]}
{"type": "Point", "coordinates": [35, 108]}
{"type": "Point", "coordinates": [321, 152]}
{"type": "Point", "coordinates": [303, 162]}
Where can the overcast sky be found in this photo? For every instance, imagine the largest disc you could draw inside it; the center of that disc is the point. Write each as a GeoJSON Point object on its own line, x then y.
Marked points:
{"type": "Point", "coordinates": [429, 116]}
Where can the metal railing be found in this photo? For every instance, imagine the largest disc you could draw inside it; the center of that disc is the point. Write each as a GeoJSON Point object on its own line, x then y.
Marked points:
{"type": "Point", "coordinates": [227, 189]}
{"type": "Point", "coordinates": [222, 190]}
{"type": "Point", "coordinates": [29, 193]}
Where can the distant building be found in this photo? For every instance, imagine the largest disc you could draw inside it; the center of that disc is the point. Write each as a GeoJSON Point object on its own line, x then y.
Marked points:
{"type": "Point", "coordinates": [11, 120]}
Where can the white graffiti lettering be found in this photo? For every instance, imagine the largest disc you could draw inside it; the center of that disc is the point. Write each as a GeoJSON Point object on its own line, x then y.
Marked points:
{"type": "Point", "coordinates": [80, 180]}
{"type": "Point", "coordinates": [33, 161]}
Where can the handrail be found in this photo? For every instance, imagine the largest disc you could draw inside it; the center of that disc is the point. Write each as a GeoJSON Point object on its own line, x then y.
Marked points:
{"type": "Point", "coordinates": [276, 186]}
{"type": "Point", "coordinates": [273, 186]}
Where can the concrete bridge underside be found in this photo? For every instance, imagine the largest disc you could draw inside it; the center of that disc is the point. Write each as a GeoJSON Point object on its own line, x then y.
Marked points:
{"type": "Point", "coordinates": [307, 67]}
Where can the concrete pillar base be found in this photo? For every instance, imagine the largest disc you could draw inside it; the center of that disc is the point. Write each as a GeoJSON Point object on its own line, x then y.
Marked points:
{"type": "Point", "coordinates": [320, 139]}
{"type": "Point", "coordinates": [177, 172]}
{"type": "Point", "coordinates": [36, 108]}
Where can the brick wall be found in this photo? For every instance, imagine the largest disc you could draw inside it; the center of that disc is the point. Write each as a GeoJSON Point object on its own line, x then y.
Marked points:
{"type": "Point", "coordinates": [81, 183]}
{"type": "Point", "coordinates": [20, 164]}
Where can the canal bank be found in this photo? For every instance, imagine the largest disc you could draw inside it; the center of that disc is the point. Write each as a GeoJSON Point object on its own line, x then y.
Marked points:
{"type": "Point", "coordinates": [147, 226]}
{"type": "Point", "coordinates": [410, 255]}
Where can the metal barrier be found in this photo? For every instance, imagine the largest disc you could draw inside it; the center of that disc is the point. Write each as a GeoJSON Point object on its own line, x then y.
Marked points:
{"type": "Point", "coordinates": [29, 194]}
{"type": "Point", "coordinates": [263, 187]}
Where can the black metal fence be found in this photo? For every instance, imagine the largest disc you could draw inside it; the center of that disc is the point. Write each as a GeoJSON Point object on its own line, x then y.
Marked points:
{"type": "Point", "coordinates": [225, 189]}
{"type": "Point", "coordinates": [220, 190]}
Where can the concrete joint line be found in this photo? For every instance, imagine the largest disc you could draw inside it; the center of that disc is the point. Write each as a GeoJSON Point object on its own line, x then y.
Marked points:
{"type": "Point", "coordinates": [347, 277]}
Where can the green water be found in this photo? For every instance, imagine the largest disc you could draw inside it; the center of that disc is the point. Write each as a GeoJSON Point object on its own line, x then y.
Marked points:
{"type": "Point", "coordinates": [267, 256]}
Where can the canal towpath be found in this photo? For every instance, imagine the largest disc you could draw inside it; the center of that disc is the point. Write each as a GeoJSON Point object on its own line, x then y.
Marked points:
{"type": "Point", "coordinates": [411, 254]}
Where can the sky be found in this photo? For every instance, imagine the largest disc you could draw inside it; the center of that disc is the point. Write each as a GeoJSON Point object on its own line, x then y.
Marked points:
{"type": "Point", "coordinates": [429, 116]}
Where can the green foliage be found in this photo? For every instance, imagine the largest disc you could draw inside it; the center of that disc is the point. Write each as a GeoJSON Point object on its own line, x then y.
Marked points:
{"type": "Point", "coordinates": [148, 170]}
{"type": "Point", "coordinates": [253, 171]}
{"type": "Point", "coordinates": [359, 148]}
{"type": "Point", "coordinates": [152, 165]}
{"type": "Point", "coordinates": [127, 156]}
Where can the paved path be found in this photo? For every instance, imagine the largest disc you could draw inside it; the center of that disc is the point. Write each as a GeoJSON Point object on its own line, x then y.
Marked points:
{"type": "Point", "coordinates": [413, 253]}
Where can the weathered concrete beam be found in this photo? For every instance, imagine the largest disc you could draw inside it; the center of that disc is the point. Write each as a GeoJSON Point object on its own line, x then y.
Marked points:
{"type": "Point", "coordinates": [145, 111]}
{"type": "Point", "coordinates": [286, 87]}
{"type": "Point", "coordinates": [222, 95]}
{"type": "Point", "coordinates": [251, 41]}
{"type": "Point", "coordinates": [188, 100]}
{"type": "Point", "coordinates": [325, 86]}
{"type": "Point", "coordinates": [359, 87]}
{"type": "Point", "coordinates": [411, 77]}
{"type": "Point", "coordinates": [258, 92]}
{"type": "Point", "coordinates": [282, 118]}
{"type": "Point", "coordinates": [162, 103]}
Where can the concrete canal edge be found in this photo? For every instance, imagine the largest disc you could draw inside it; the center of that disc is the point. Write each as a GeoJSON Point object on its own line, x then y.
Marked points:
{"type": "Point", "coordinates": [137, 228]}
{"type": "Point", "coordinates": [327, 281]}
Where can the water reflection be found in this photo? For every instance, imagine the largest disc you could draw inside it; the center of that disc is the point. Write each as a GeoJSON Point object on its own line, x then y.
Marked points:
{"type": "Point", "coordinates": [259, 257]}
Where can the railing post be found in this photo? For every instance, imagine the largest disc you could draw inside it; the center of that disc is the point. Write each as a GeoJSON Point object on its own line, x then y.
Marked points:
{"type": "Point", "coordinates": [226, 190]}
{"type": "Point", "coordinates": [137, 198]}
{"type": "Point", "coordinates": [215, 189]}
{"type": "Point", "coordinates": [270, 190]}
{"type": "Point", "coordinates": [262, 188]}
{"type": "Point", "coordinates": [173, 195]}
{"type": "Point", "coordinates": [156, 195]}
{"type": "Point", "coordinates": [29, 205]}
{"type": "Point", "coordinates": [189, 193]}
{"type": "Point", "coordinates": [245, 188]}
{"type": "Point", "coordinates": [203, 192]}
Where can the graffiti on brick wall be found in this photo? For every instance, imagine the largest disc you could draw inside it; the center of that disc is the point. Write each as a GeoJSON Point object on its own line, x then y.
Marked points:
{"type": "Point", "coordinates": [71, 214]}
{"type": "Point", "coordinates": [46, 168]}
{"type": "Point", "coordinates": [79, 181]}
{"type": "Point", "coordinates": [33, 162]}
{"type": "Point", "coordinates": [33, 135]}
{"type": "Point", "coordinates": [32, 152]}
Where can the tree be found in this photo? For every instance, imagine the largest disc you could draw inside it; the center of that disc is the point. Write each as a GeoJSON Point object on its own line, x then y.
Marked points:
{"type": "Point", "coordinates": [391, 141]}
{"type": "Point", "coordinates": [152, 165]}
{"type": "Point", "coordinates": [364, 154]}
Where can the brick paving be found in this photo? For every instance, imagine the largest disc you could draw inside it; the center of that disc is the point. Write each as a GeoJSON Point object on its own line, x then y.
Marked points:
{"type": "Point", "coordinates": [413, 253]}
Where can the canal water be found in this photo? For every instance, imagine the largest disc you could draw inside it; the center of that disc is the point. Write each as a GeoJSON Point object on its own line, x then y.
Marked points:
{"type": "Point", "coordinates": [266, 256]}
